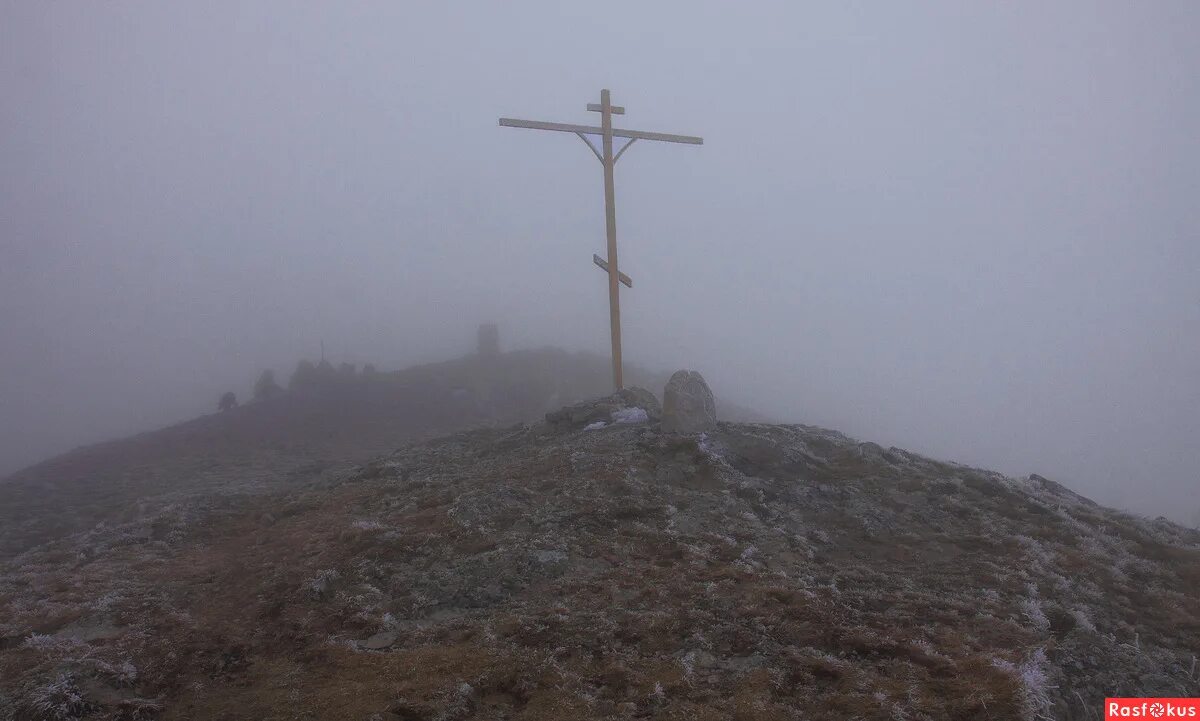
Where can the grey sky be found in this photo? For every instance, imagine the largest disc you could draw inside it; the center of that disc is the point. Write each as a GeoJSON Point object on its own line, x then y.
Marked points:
{"type": "Point", "coordinates": [969, 229]}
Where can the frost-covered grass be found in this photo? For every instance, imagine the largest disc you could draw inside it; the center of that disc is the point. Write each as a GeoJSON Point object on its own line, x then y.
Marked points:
{"type": "Point", "coordinates": [554, 570]}
{"type": "Point", "coordinates": [319, 585]}
{"type": "Point", "coordinates": [1033, 676]}
{"type": "Point", "coordinates": [58, 700]}
{"type": "Point", "coordinates": [1083, 620]}
{"type": "Point", "coordinates": [1031, 608]}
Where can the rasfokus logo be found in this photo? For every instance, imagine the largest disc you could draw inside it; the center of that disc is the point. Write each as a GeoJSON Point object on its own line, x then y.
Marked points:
{"type": "Point", "coordinates": [1151, 708]}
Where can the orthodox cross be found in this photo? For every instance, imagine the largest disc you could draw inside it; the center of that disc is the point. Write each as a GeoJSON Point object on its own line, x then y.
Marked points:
{"type": "Point", "coordinates": [606, 157]}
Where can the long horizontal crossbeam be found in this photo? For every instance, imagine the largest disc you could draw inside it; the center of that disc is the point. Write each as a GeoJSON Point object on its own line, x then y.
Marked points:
{"type": "Point", "coordinates": [593, 130]}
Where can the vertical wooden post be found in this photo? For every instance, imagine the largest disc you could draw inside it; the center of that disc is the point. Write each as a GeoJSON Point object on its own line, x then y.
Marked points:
{"type": "Point", "coordinates": [610, 222]}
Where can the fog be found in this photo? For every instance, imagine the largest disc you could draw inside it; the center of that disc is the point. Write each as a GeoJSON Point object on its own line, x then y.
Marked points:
{"type": "Point", "coordinates": [966, 230]}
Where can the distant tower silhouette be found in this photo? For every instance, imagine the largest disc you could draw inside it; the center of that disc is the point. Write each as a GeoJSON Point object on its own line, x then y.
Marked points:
{"type": "Point", "coordinates": [489, 340]}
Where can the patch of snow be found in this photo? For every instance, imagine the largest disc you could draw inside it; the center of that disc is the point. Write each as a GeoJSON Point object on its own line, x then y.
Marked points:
{"type": "Point", "coordinates": [595, 426]}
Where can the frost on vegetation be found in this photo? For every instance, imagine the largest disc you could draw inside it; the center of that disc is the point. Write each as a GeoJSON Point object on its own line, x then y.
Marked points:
{"type": "Point", "coordinates": [123, 673]}
{"type": "Point", "coordinates": [58, 700]}
{"type": "Point", "coordinates": [319, 584]}
{"type": "Point", "coordinates": [107, 601]}
{"type": "Point", "coordinates": [341, 642]}
{"type": "Point", "coordinates": [990, 594]}
{"type": "Point", "coordinates": [1036, 552]}
{"type": "Point", "coordinates": [366, 524]}
{"type": "Point", "coordinates": [704, 443]}
{"type": "Point", "coordinates": [1031, 608]}
{"type": "Point", "coordinates": [928, 650]}
{"type": "Point", "coordinates": [1035, 687]}
{"type": "Point", "coordinates": [55, 645]}
{"type": "Point", "coordinates": [688, 663]}
{"type": "Point", "coordinates": [1082, 620]}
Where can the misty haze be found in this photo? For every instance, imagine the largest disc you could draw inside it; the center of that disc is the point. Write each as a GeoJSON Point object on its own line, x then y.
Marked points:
{"type": "Point", "coordinates": [307, 399]}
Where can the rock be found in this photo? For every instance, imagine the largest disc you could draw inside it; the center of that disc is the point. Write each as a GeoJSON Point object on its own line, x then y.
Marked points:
{"type": "Point", "coordinates": [871, 452]}
{"type": "Point", "coordinates": [601, 410]}
{"type": "Point", "coordinates": [583, 413]}
{"type": "Point", "coordinates": [629, 416]}
{"type": "Point", "coordinates": [1058, 489]}
{"type": "Point", "coordinates": [638, 397]}
{"type": "Point", "coordinates": [688, 405]}
{"type": "Point", "coordinates": [380, 641]}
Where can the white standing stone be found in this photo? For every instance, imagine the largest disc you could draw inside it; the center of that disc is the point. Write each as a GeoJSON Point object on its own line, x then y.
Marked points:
{"type": "Point", "coordinates": [688, 405]}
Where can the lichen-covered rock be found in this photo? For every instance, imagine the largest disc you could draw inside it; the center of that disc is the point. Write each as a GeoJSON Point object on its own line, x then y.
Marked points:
{"type": "Point", "coordinates": [583, 413]}
{"type": "Point", "coordinates": [688, 405]}
{"type": "Point", "coordinates": [638, 397]}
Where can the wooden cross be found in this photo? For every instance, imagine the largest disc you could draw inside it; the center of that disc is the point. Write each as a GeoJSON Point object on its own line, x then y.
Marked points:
{"type": "Point", "coordinates": [606, 157]}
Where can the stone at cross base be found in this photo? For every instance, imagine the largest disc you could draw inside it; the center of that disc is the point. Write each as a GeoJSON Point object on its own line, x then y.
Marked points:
{"type": "Point", "coordinates": [688, 405]}
{"type": "Point", "coordinates": [602, 409]}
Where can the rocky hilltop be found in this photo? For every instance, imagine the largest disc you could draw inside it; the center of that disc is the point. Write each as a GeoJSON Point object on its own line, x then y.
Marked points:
{"type": "Point", "coordinates": [583, 568]}
{"type": "Point", "coordinates": [320, 429]}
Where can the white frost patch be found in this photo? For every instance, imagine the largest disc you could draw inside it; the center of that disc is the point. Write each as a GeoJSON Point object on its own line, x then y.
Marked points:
{"type": "Point", "coordinates": [706, 447]}
{"type": "Point", "coordinates": [320, 583]}
{"type": "Point", "coordinates": [1035, 684]}
{"type": "Point", "coordinates": [59, 699]}
{"type": "Point", "coordinates": [630, 415]}
{"type": "Point", "coordinates": [1031, 608]}
{"type": "Point", "coordinates": [1083, 620]}
{"type": "Point", "coordinates": [595, 426]}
